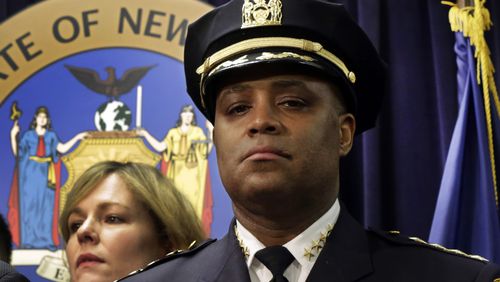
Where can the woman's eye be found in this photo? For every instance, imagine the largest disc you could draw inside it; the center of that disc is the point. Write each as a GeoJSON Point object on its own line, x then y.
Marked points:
{"type": "Point", "coordinates": [73, 227]}
{"type": "Point", "coordinates": [113, 219]}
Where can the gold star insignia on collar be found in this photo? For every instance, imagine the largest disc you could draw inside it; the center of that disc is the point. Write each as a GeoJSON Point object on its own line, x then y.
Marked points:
{"type": "Point", "coordinates": [329, 230]}
{"type": "Point", "coordinates": [323, 237]}
{"type": "Point", "coordinates": [316, 245]}
{"type": "Point", "coordinates": [308, 254]}
{"type": "Point", "coordinates": [244, 249]}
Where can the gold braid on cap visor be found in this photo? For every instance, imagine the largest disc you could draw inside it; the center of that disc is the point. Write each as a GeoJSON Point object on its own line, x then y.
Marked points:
{"type": "Point", "coordinates": [258, 43]}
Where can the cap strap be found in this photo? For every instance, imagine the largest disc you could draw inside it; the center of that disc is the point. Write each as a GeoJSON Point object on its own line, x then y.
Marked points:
{"type": "Point", "coordinates": [263, 42]}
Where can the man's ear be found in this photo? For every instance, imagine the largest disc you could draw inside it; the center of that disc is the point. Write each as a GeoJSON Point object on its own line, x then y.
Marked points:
{"type": "Point", "coordinates": [347, 127]}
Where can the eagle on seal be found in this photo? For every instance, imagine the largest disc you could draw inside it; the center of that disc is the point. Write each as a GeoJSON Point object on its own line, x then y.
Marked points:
{"type": "Point", "coordinates": [112, 87]}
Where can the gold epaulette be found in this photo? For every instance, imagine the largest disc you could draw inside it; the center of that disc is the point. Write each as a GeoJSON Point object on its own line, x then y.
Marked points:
{"type": "Point", "coordinates": [193, 247]}
{"type": "Point", "coordinates": [441, 248]}
{"type": "Point", "coordinates": [446, 250]}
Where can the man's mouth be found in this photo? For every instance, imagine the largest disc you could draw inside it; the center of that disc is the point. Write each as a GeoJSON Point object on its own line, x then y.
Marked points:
{"type": "Point", "coordinates": [265, 153]}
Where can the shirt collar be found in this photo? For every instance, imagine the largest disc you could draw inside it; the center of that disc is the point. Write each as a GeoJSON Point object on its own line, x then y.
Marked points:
{"type": "Point", "coordinates": [298, 245]}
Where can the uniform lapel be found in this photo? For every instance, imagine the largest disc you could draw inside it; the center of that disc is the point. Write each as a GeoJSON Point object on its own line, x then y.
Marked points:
{"type": "Point", "coordinates": [228, 261]}
{"type": "Point", "coordinates": [345, 256]}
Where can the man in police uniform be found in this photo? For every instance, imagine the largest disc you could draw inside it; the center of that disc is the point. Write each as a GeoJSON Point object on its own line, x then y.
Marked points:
{"type": "Point", "coordinates": [287, 84]}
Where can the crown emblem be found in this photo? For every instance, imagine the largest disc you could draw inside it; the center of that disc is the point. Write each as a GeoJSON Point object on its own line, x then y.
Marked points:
{"type": "Point", "coordinates": [261, 12]}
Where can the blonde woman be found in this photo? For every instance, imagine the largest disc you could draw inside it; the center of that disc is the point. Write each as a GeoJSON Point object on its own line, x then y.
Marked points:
{"type": "Point", "coordinates": [119, 217]}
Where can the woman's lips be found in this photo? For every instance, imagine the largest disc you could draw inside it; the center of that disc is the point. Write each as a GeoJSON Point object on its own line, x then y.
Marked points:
{"type": "Point", "coordinates": [88, 259]}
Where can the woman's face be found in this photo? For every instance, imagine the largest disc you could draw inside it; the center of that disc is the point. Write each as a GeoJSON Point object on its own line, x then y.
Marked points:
{"type": "Point", "coordinates": [41, 119]}
{"type": "Point", "coordinates": [187, 117]}
{"type": "Point", "coordinates": [111, 234]}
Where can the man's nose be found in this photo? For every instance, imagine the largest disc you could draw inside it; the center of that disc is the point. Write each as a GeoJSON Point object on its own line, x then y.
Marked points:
{"type": "Point", "coordinates": [87, 232]}
{"type": "Point", "coordinates": [265, 119]}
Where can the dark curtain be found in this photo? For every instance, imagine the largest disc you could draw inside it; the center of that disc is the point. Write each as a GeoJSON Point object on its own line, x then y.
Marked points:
{"type": "Point", "coordinates": [391, 178]}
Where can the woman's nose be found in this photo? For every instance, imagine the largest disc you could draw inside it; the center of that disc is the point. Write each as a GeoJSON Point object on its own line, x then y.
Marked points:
{"type": "Point", "coordinates": [87, 232]}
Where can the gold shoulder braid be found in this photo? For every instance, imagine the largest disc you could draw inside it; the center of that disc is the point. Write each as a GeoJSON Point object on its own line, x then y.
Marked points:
{"type": "Point", "coordinates": [175, 252]}
{"type": "Point", "coordinates": [443, 249]}
{"type": "Point", "coordinates": [396, 237]}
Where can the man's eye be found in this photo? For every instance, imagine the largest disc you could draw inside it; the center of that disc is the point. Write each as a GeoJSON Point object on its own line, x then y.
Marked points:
{"type": "Point", "coordinates": [293, 103]}
{"type": "Point", "coordinates": [238, 109]}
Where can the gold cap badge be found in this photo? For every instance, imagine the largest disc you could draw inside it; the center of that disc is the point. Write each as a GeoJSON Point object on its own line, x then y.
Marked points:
{"type": "Point", "coordinates": [261, 12]}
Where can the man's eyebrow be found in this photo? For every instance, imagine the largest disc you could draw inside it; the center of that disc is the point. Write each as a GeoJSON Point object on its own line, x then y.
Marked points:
{"type": "Point", "coordinates": [292, 85]}
{"type": "Point", "coordinates": [284, 83]}
{"type": "Point", "coordinates": [233, 88]}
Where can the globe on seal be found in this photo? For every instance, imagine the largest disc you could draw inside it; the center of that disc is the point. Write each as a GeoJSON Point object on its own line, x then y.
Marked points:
{"type": "Point", "coordinates": [113, 116]}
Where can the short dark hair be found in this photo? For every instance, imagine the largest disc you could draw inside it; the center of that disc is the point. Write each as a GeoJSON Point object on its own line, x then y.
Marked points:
{"type": "Point", "coordinates": [5, 241]}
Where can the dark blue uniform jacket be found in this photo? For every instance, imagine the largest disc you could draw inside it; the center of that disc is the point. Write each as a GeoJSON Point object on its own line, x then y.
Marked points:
{"type": "Point", "coordinates": [351, 253]}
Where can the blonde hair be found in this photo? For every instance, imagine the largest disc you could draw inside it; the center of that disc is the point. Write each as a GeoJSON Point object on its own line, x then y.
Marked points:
{"type": "Point", "coordinates": [173, 215]}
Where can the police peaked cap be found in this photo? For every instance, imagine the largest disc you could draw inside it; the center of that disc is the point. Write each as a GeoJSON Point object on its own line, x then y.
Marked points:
{"type": "Point", "coordinates": [312, 36]}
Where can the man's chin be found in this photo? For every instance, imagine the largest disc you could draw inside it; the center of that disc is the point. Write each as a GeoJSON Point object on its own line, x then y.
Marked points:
{"type": "Point", "coordinates": [267, 185]}
{"type": "Point", "coordinates": [265, 192]}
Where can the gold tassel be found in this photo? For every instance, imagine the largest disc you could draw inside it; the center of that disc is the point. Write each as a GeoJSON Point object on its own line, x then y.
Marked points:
{"type": "Point", "coordinates": [473, 22]}
{"type": "Point", "coordinates": [51, 175]}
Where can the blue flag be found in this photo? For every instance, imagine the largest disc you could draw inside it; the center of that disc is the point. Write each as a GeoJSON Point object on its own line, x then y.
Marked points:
{"type": "Point", "coordinates": [466, 215]}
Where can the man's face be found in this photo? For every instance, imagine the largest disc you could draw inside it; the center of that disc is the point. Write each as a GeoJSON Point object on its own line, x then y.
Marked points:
{"type": "Point", "coordinates": [278, 141]}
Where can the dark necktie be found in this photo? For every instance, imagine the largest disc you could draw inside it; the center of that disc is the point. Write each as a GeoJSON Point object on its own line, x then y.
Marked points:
{"type": "Point", "coordinates": [276, 259]}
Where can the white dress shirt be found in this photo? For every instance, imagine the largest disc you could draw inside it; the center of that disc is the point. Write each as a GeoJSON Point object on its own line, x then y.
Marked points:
{"type": "Point", "coordinates": [298, 246]}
